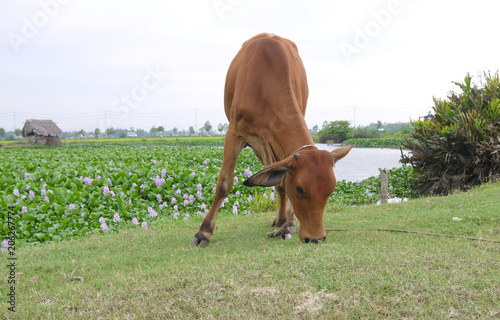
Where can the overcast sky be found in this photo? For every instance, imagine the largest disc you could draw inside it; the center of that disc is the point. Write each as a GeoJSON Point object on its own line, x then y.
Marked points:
{"type": "Point", "coordinates": [95, 64]}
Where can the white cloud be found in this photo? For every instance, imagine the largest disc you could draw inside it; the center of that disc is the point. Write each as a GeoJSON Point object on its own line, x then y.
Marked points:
{"type": "Point", "coordinates": [91, 52]}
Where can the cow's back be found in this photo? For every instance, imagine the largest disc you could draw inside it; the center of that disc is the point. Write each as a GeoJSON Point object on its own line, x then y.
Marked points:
{"type": "Point", "coordinates": [266, 94]}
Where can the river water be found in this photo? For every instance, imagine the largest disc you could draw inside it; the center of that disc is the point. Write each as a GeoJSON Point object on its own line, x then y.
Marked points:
{"type": "Point", "coordinates": [362, 163]}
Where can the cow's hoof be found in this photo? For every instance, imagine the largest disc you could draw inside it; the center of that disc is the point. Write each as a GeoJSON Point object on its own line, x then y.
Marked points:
{"type": "Point", "coordinates": [284, 234]}
{"type": "Point", "coordinates": [200, 240]}
{"type": "Point", "coordinates": [291, 226]}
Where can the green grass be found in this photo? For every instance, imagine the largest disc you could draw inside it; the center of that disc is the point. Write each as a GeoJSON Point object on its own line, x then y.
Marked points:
{"type": "Point", "coordinates": [155, 274]}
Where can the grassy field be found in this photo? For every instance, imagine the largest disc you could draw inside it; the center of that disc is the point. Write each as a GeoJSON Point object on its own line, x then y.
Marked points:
{"type": "Point", "coordinates": [154, 274]}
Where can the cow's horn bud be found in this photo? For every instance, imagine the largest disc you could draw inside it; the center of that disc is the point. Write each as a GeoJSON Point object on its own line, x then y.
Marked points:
{"type": "Point", "coordinates": [296, 156]}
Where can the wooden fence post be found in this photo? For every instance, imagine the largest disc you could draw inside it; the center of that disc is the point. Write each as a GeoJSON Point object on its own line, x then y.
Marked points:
{"type": "Point", "coordinates": [384, 193]}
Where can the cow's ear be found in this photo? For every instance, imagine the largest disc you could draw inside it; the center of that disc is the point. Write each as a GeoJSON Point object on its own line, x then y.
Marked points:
{"type": "Point", "coordinates": [341, 152]}
{"type": "Point", "coordinates": [272, 174]}
{"type": "Point", "coordinates": [267, 177]}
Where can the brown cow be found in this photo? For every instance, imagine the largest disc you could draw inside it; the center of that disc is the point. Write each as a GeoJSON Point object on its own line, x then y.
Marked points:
{"type": "Point", "coordinates": [265, 101]}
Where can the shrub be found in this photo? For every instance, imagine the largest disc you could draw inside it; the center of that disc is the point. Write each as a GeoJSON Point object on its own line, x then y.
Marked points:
{"type": "Point", "coordinates": [458, 146]}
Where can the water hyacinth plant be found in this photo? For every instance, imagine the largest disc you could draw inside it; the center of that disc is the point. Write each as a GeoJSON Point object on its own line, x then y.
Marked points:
{"type": "Point", "coordinates": [59, 193]}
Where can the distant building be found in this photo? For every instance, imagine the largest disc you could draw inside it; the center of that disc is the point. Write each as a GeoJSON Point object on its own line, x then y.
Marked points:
{"type": "Point", "coordinates": [44, 131]}
{"type": "Point", "coordinates": [131, 134]}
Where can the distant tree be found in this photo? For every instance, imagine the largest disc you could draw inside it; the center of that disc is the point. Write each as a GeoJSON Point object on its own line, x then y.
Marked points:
{"type": "Point", "coordinates": [339, 131]}
{"type": "Point", "coordinates": [222, 127]}
{"type": "Point", "coordinates": [2, 133]}
{"type": "Point", "coordinates": [175, 130]}
{"type": "Point", "coordinates": [17, 132]}
{"type": "Point", "coordinates": [207, 127]}
{"type": "Point", "coordinates": [153, 130]}
{"type": "Point", "coordinates": [160, 129]}
{"type": "Point", "coordinates": [191, 130]}
{"type": "Point", "coordinates": [123, 134]}
{"type": "Point", "coordinates": [110, 131]}
{"type": "Point", "coordinates": [314, 129]}
{"type": "Point", "coordinates": [97, 132]}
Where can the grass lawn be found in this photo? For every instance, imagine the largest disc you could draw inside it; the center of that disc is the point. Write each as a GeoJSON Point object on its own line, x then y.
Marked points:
{"type": "Point", "coordinates": [155, 274]}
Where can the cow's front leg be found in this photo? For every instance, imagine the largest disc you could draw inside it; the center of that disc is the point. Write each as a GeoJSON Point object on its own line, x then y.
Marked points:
{"type": "Point", "coordinates": [284, 212]}
{"type": "Point", "coordinates": [232, 148]}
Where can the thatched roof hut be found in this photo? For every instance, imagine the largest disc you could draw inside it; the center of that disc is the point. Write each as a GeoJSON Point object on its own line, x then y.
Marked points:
{"type": "Point", "coordinates": [45, 131]}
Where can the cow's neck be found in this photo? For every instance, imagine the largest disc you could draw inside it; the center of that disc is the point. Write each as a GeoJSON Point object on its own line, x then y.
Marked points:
{"type": "Point", "coordinates": [296, 136]}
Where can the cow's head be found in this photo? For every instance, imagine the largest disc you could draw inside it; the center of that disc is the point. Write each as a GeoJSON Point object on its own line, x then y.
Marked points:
{"type": "Point", "coordinates": [309, 180]}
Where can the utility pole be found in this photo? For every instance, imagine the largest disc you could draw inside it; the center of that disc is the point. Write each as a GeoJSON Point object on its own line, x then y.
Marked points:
{"type": "Point", "coordinates": [354, 116]}
{"type": "Point", "coordinates": [195, 123]}
{"type": "Point", "coordinates": [105, 125]}
{"type": "Point", "coordinates": [14, 121]}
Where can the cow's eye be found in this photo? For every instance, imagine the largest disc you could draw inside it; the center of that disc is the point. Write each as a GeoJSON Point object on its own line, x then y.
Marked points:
{"type": "Point", "coordinates": [300, 191]}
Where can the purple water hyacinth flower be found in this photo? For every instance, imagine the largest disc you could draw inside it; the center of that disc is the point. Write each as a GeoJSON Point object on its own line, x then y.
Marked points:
{"type": "Point", "coordinates": [28, 187]}
{"type": "Point", "coordinates": [238, 193]}
{"type": "Point", "coordinates": [265, 195]}
{"type": "Point", "coordinates": [176, 207]}
{"type": "Point", "coordinates": [16, 192]}
{"type": "Point", "coordinates": [26, 175]}
{"type": "Point", "coordinates": [226, 200]}
{"type": "Point", "coordinates": [98, 178]}
{"type": "Point", "coordinates": [116, 217]}
{"type": "Point", "coordinates": [158, 181]}
{"type": "Point", "coordinates": [186, 202]}
{"type": "Point", "coordinates": [248, 172]}
{"type": "Point", "coordinates": [47, 199]}
{"type": "Point", "coordinates": [178, 191]}
{"type": "Point", "coordinates": [271, 197]}
{"type": "Point", "coordinates": [102, 220]}
{"type": "Point", "coordinates": [163, 173]}
{"type": "Point", "coordinates": [71, 207]}
{"type": "Point", "coordinates": [104, 227]}
{"type": "Point", "coordinates": [370, 194]}
{"type": "Point", "coordinates": [235, 209]}
{"type": "Point", "coordinates": [236, 179]}
{"type": "Point", "coordinates": [152, 212]}
{"type": "Point", "coordinates": [153, 160]}
{"type": "Point", "coordinates": [134, 184]}
{"type": "Point", "coordinates": [250, 198]}
{"type": "Point", "coordinates": [174, 200]}
{"type": "Point", "coordinates": [185, 196]}
{"type": "Point", "coordinates": [43, 191]}
{"type": "Point", "coordinates": [199, 186]}
{"type": "Point", "coordinates": [186, 217]}
{"type": "Point", "coordinates": [191, 198]}
{"type": "Point", "coordinates": [5, 244]}
{"type": "Point", "coordinates": [144, 225]}
{"type": "Point", "coordinates": [203, 206]}
{"type": "Point", "coordinates": [206, 161]}
{"type": "Point", "coordinates": [110, 182]}
{"type": "Point", "coordinates": [159, 197]}
{"type": "Point", "coordinates": [135, 221]}
{"type": "Point", "coordinates": [87, 181]}
{"type": "Point", "coordinates": [24, 209]}
{"type": "Point", "coordinates": [112, 193]}
{"type": "Point", "coordinates": [105, 190]}
{"type": "Point", "coordinates": [98, 171]}
{"type": "Point", "coordinates": [192, 174]}
{"type": "Point", "coordinates": [198, 194]}
{"type": "Point", "coordinates": [175, 215]}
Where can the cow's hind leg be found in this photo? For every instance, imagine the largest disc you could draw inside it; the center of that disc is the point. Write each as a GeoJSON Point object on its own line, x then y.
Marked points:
{"type": "Point", "coordinates": [284, 212]}
{"type": "Point", "coordinates": [232, 148]}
